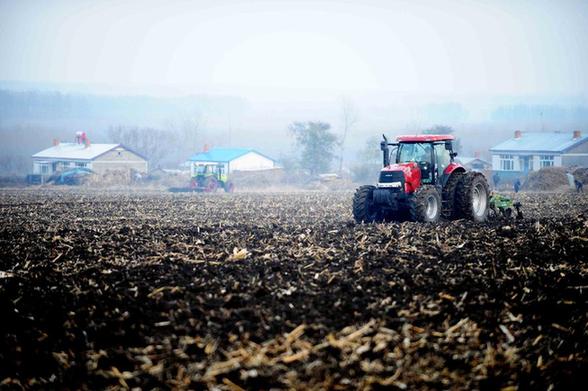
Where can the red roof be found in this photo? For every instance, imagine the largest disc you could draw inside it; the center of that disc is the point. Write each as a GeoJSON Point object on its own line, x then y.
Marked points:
{"type": "Point", "coordinates": [423, 138]}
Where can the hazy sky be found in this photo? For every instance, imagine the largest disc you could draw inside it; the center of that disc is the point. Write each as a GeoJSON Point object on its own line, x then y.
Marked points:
{"type": "Point", "coordinates": [444, 47]}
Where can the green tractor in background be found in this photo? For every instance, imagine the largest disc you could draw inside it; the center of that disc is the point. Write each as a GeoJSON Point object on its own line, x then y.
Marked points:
{"type": "Point", "coordinates": [209, 177]}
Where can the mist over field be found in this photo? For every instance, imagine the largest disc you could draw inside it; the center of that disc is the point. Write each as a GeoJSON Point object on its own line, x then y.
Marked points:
{"type": "Point", "coordinates": [239, 73]}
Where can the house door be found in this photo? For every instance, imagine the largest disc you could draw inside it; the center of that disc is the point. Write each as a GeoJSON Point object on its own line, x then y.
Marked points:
{"type": "Point", "coordinates": [525, 163]}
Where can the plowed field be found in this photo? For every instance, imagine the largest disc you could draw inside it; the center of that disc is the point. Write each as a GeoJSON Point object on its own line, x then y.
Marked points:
{"type": "Point", "coordinates": [261, 291]}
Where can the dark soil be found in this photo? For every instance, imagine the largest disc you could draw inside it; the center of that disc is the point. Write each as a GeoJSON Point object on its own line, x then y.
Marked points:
{"type": "Point", "coordinates": [284, 291]}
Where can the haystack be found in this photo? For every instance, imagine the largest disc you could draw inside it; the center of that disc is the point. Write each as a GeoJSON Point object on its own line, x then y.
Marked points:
{"type": "Point", "coordinates": [546, 179]}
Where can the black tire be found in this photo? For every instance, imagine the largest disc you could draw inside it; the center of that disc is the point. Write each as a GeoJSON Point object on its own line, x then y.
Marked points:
{"type": "Point", "coordinates": [229, 187]}
{"type": "Point", "coordinates": [364, 209]}
{"type": "Point", "coordinates": [449, 211]}
{"type": "Point", "coordinates": [472, 197]}
{"type": "Point", "coordinates": [211, 185]}
{"type": "Point", "coordinates": [425, 205]}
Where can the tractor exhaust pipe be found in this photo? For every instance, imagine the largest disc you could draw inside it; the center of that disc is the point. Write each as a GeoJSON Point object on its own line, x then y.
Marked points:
{"type": "Point", "coordinates": [385, 151]}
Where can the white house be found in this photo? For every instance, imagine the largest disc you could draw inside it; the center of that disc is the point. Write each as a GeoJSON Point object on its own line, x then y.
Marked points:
{"type": "Point", "coordinates": [531, 151]}
{"type": "Point", "coordinates": [81, 153]}
{"type": "Point", "coordinates": [474, 163]}
{"type": "Point", "coordinates": [233, 159]}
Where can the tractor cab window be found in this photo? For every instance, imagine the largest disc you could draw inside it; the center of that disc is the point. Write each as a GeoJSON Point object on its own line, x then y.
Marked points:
{"type": "Point", "coordinates": [204, 170]}
{"type": "Point", "coordinates": [442, 157]}
{"type": "Point", "coordinates": [419, 153]}
{"type": "Point", "coordinates": [414, 152]}
{"type": "Point", "coordinates": [201, 169]}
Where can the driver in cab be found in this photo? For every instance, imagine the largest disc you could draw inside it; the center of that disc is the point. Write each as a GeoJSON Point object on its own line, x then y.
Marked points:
{"type": "Point", "coordinates": [423, 159]}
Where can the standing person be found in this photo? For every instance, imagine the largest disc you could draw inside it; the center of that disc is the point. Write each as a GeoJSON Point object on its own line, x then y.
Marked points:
{"type": "Point", "coordinates": [517, 185]}
{"type": "Point", "coordinates": [579, 186]}
{"type": "Point", "coordinates": [496, 180]}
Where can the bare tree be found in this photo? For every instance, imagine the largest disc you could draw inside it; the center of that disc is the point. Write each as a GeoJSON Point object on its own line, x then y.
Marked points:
{"type": "Point", "coordinates": [188, 131]}
{"type": "Point", "coordinates": [444, 129]}
{"type": "Point", "coordinates": [349, 119]}
{"type": "Point", "coordinates": [155, 144]}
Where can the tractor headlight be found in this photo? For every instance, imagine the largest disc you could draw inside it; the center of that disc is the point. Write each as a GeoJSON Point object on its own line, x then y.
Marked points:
{"type": "Point", "coordinates": [394, 185]}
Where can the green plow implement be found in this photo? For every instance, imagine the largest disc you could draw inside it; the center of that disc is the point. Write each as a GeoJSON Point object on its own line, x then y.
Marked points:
{"type": "Point", "coordinates": [502, 206]}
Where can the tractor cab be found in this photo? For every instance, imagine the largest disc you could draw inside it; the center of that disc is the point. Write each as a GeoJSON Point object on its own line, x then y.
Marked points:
{"type": "Point", "coordinates": [432, 155]}
{"type": "Point", "coordinates": [205, 169]}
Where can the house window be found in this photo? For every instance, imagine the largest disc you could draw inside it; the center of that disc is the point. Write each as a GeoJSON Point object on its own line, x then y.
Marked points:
{"type": "Point", "coordinates": [44, 169]}
{"type": "Point", "coordinates": [80, 164]}
{"type": "Point", "coordinates": [507, 162]}
{"type": "Point", "coordinates": [546, 161]}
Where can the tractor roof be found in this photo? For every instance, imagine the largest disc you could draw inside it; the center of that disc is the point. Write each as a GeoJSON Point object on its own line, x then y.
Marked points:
{"type": "Point", "coordinates": [424, 138]}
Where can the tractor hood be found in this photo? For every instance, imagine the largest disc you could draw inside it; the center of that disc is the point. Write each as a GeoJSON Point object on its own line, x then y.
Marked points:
{"type": "Point", "coordinates": [410, 171]}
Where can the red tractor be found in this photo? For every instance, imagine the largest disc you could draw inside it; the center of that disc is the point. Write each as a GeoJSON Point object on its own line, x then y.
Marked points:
{"type": "Point", "coordinates": [423, 184]}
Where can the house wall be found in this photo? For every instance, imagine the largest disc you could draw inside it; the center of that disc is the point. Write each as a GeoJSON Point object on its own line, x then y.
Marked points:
{"type": "Point", "coordinates": [251, 161]}
{"type": "Point", "coordinates": [477, 166]}
{"type": "Point", "coordinates": [55, 165]}
{"type": "Point", "coordinates": [534, 163]}
{"type": "Point", "coordinates": [577, 156]}
{"type": "Point", "coordinates": [119, 159]}
{"type": "Point", "coordinates": [495, 163]}
{"type": "Point", "coordinates": [38, 167]}
{"type": "Point", "coordinates": [516, 161]}
{"type": "Point", "coordinates": [575, 160]}
{"type": "Point", "coordinates": [557, 161]}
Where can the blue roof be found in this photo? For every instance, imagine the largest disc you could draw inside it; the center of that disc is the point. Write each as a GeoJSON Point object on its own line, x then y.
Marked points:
{"type": "Point", "coordinates": [222, 155]}
{"type": "Point", "coordinates": [540, 142]}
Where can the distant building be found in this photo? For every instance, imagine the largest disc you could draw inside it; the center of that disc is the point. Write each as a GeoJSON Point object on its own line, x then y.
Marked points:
{"type": "Point", "coordinates": [474, 163]}
{"type": "Point", "coordinates": [531, 151]}
{"type": "Point", "coordinates": [81, 153]}
{"type": "Point", "coordinates": [233, 159]}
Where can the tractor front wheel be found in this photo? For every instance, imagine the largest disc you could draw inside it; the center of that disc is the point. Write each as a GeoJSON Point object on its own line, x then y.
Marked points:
{"type": "Point", "coordinates": [364, 208]}
{"type": "Point", "coordinates": [229, 187]}
{"type": "Point", "coordinates": [425, 205]}
{"type": "Point", "coordinates": [211, 185]}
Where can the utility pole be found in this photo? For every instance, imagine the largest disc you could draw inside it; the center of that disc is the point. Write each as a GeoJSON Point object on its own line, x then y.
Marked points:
{"type": "Point", "coordinates": [230, 129]}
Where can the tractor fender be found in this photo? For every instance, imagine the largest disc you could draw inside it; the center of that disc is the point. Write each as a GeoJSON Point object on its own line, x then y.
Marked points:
{"type": "Point", "coordinates": [449, 170]}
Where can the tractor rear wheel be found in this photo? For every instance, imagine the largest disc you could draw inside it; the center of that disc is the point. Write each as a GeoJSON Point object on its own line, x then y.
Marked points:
{"type": "Point", "coordinates": [472, 196]}
{"type": "Point", "coordinates": [449, 212]}
{"type": "Point", "coordinates": [364, 208]}
{"type": "Point", "coordinates": [425, 205]}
